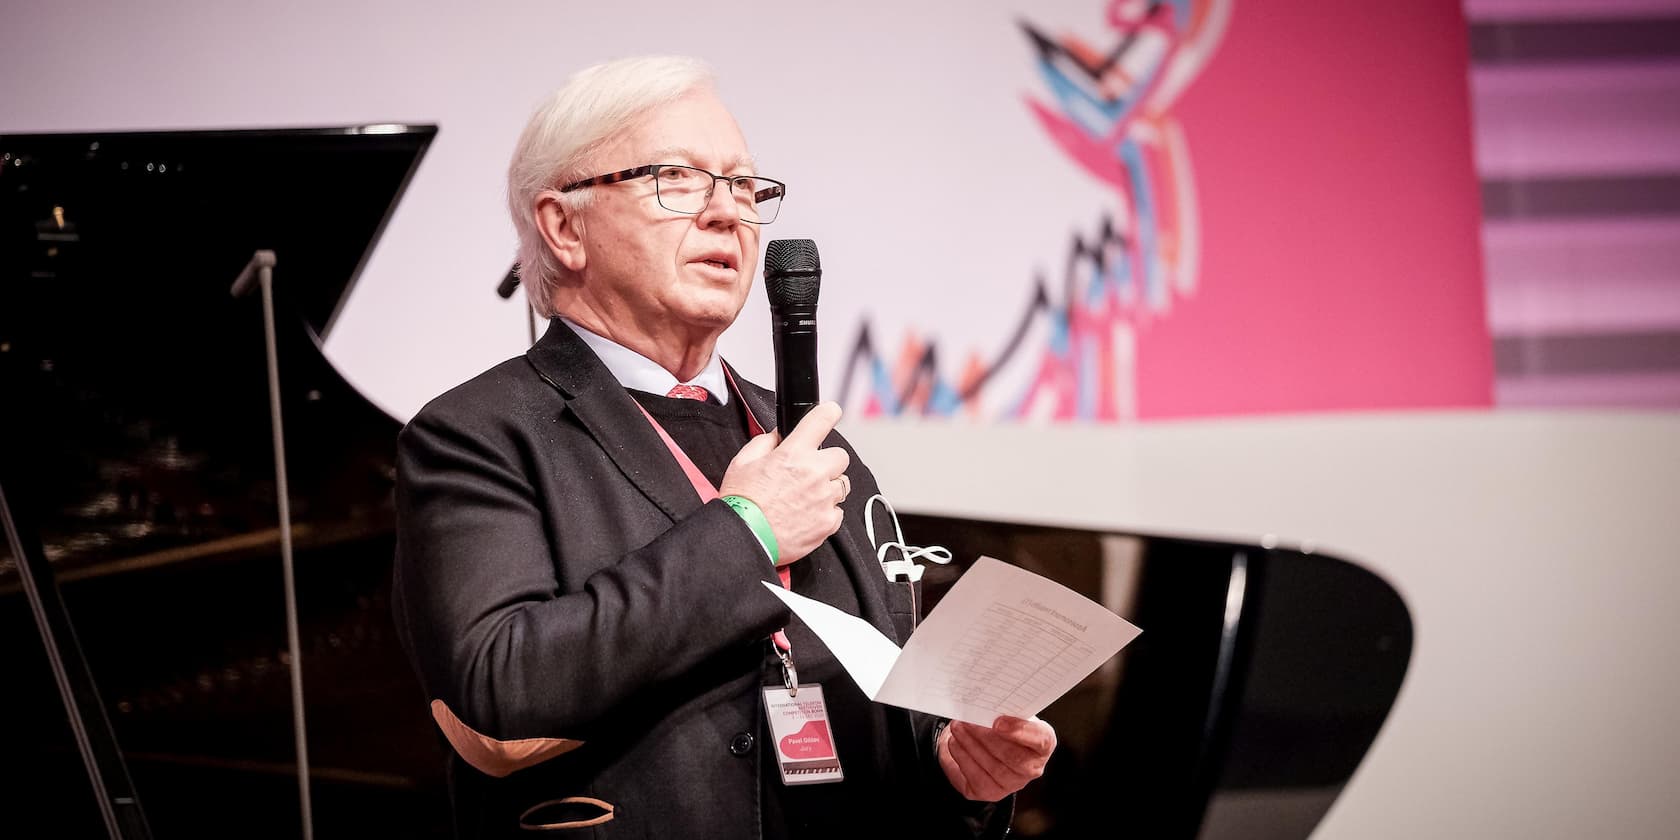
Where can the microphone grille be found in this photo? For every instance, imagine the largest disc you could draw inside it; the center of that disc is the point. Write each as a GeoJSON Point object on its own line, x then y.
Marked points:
{"type": "Point", "coordinates": [791, 256]}
{"type": "Point", "coordinates": [792, 272]}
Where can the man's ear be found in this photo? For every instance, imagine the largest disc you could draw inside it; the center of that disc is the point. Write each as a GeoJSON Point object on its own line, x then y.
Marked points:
{"type": "Point", "coordinates": [562, 230]}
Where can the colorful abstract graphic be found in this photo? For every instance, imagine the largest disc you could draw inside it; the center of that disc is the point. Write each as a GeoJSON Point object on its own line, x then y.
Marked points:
{"type": "Point", "coordinates": [1072, 355]}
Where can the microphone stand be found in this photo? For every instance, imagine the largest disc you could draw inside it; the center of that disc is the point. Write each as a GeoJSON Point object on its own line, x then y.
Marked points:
{"type": "Point", "coordinates": [113, 789]}
{"type": "Point", "coordinates": [259, 272]}
{"type": "Point", "coordinates": [504, 290]}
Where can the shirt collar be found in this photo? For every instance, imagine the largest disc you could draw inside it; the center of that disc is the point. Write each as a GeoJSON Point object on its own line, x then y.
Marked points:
{"type": "Point", "coordinates": [633, 370]}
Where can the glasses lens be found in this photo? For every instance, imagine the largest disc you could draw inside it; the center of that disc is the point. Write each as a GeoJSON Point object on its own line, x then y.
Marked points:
{"type": "Point", "coordinates": [760, 199]}
{"type": "Point", "coordinates": [683, 189]}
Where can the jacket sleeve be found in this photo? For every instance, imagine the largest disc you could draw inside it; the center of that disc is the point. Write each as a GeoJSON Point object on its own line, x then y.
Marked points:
{"type": "Point", "coordinates": [496, 641]}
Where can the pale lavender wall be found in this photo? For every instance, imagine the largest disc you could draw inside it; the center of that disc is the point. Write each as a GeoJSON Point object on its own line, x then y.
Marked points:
{"type": "Point", "coordinates": [1577, 120]}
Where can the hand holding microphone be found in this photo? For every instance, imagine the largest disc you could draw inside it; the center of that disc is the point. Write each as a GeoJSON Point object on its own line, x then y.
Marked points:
{"type": "Point", "coordinates": [797, 485]}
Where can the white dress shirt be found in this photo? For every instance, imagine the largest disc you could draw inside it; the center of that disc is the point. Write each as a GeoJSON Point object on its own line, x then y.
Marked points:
{"type": "Point", "coordinates": [633, 370]}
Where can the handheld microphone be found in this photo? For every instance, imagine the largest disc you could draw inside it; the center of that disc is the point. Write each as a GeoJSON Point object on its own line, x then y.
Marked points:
{"type": "Point", "coordinates": [792, 276]}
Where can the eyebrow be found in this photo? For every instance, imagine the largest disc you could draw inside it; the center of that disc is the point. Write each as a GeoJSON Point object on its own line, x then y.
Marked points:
{"type": "Point", "coordinates": [681, 153]}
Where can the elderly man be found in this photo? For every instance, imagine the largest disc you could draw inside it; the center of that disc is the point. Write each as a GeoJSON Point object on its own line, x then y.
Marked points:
{"type": "Point", "coordinates": [583, 531]}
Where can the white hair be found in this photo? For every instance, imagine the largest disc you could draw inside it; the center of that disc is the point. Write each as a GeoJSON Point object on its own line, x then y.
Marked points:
{"type": "Point", "coordinates": [588, 110]}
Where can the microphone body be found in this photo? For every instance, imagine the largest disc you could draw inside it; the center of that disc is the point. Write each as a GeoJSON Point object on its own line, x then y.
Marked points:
{"type": "Point", "coordinates": [509, 283]}
{"type": "Point", "coordinates": [792, 278]}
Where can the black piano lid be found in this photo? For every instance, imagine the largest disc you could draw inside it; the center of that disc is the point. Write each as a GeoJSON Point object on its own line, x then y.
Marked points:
{"type": "Point", "coordinates": [133, 384]}
{"type": "Point", "coordinates": [251, 188]}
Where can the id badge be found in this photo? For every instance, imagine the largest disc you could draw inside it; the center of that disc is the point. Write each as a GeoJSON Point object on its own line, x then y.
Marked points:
{"type": "Point", "coordinates": [804, 740]}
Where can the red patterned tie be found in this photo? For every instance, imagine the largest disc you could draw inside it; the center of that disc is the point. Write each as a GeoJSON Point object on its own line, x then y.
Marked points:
{"type": "Point", "coordinates": [689, 392]}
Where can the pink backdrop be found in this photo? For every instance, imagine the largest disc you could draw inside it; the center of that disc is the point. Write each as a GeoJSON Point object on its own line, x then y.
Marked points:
{"type": "Point", "coordinates": [1341, 266]}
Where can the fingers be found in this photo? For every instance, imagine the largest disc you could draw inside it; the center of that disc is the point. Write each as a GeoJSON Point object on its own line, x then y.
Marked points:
{"type": "Point", "coordinates": [953, 770]}
{"type": "Point", "coordinates": [749, 460]}
{"type": "Point", "coordinates": [976, 771]}
{"type": "Point", "coordinates": [832, 462]}
{"type": "Point", "coordinates": [988, 764]}
{"type": "Point", "coordinates": [815, 426]}
{"type": "Point", "coordinates": [1008, 752]}
{"type": "Point", "coordinates": [1008, 774]}
{"type": "Point", "coordinates": [1033, 734]}
{"type": "Point", "coordinates": [798, 486]}
{"type": "Point", "coordinates": [758, 447]}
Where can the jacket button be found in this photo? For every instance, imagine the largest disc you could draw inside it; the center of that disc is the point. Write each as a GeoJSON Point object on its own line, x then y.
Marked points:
{"type": "Point", "coordinates": [741, 744]}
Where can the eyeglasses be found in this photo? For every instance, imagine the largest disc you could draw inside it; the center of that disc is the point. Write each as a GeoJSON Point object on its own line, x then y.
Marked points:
{"type": "Point", "coordinates": [686, 189]}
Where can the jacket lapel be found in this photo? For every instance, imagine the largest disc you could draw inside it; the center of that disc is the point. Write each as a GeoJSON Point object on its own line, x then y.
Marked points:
{"type": "Point", "coordinates": [608, 413]}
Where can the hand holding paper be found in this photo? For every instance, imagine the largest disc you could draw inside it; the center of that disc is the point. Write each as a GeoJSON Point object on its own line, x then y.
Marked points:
{"type": "Point", "coordinates": [986, 764]}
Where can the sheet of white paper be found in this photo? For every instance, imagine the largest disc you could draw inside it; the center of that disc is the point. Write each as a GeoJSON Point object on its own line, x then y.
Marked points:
{"type": "Point", "coordinates": [865, 654]}
{"type": "Point", "coordinates": [1003, 641]}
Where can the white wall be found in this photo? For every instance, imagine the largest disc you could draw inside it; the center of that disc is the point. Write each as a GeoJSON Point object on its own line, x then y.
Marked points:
{"type": "Point", "coordinates": [1538, 553]}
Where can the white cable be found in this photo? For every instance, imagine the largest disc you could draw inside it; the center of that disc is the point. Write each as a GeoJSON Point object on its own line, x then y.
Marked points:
{"type": "Point", "coordinates": [905, 565]}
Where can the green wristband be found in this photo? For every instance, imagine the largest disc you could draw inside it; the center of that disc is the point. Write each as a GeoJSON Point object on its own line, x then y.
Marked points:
{"type": "Point", "coordinates": [748, 510]}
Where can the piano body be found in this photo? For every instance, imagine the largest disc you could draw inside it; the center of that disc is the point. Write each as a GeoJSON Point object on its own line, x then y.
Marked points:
{"type": "Point", "coordinates": [136, 434]}
{"type": "Point", "coordinates": [135, 451]}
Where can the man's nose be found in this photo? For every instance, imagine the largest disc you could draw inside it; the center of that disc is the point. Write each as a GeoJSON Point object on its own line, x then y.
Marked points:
{"type": "Point", "coordinates": [721, 209]}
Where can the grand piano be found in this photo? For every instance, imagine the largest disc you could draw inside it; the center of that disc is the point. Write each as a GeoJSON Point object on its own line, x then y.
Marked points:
{"type": "Point", "coordinates": [139, 479]}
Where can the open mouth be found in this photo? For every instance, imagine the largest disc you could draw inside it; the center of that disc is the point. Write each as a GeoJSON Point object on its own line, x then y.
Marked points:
{"type": "Point", "coordinates": [718, 263]}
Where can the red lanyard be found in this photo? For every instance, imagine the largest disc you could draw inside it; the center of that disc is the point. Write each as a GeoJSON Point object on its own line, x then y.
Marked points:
{"type": "Point", "coordinates": [707, 491]}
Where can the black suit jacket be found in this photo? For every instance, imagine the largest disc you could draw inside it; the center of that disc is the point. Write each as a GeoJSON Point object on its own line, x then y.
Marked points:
{"type": "Point", "coordinates": [592, 636]}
